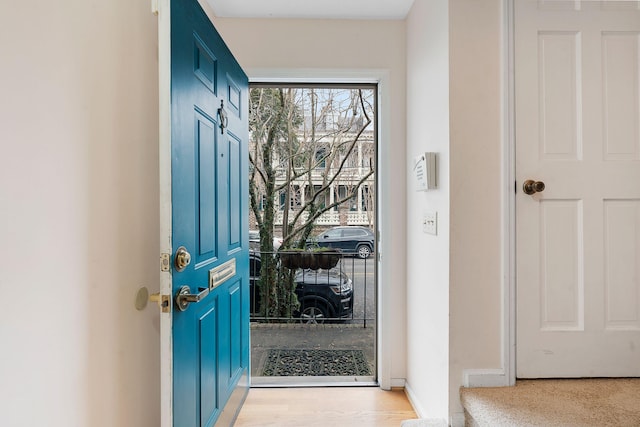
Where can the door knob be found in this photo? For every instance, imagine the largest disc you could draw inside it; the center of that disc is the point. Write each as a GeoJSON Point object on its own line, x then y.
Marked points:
{"type": "Point", "coordinates": [182, 258]}
{"type": "Point", "coordinates": [184, 297]}
{"type": "Point", "coordinates": [532, 187]}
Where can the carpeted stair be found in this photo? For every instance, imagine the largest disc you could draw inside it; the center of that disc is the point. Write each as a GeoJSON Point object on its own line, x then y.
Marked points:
{"type": "Point", "coordinates": [600, 402]}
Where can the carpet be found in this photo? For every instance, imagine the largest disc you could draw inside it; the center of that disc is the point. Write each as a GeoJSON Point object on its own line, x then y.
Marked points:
{"type": "Point", "coordinates": [317, 363]}
{"type": "Point", "coordinates": [595, 402]}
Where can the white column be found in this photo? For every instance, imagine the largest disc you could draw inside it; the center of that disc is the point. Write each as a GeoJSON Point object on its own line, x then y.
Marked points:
{"type": "Point", "coordinates": [359, 160]}
{"type": "Point", "coordinates": [332, 196]}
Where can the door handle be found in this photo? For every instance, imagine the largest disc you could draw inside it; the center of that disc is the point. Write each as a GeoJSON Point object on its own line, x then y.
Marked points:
{"type": "Point", "coordinates": [184, 297]}
{"type": "Point", "coordinates": [531, 187]}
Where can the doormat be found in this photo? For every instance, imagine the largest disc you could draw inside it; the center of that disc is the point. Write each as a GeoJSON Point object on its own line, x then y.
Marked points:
{"type": "Point", "coordinates": [316, 363]}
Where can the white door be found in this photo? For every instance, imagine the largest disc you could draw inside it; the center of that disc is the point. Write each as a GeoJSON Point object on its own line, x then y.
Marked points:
{"type": "Point", "coordinates": [577, 68]}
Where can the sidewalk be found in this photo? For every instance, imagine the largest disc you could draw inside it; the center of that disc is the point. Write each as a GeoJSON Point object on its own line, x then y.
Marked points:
{"type": "Point", "coordinates": [265, 336]}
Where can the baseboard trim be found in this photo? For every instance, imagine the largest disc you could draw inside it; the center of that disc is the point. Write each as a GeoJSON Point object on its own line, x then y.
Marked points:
{"type": "Point", "coordinates": [398, 382]}
{"type": "Point", "coordinates": [457, 419]}
{"type": "Point", "coordinates": [419, 410]}
{"type": "Point", "coordinates": [485, 378]}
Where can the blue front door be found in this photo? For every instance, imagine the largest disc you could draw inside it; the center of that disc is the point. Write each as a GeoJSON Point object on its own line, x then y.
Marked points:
{"type": "Point", "coordinates": [209, 164]}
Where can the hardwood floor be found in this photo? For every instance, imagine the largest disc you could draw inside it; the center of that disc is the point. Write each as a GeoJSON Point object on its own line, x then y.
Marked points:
{"type": "Point", "coordinates": [325, 406]}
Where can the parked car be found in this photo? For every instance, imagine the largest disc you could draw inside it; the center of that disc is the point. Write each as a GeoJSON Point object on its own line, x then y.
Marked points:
{"type": "Point", "coordinates": [349, 240]}
{"type": "Point", "coordinates": [322, 294]}
{"type": "Point", "coordinates": [254, 241]}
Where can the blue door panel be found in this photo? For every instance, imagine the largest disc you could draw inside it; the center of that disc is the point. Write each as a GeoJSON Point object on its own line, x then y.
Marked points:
{"type": "Point", "coordinates": [210, 216]}
{"type": "Point", "coordinates": [209, 407]}
{"type": "Point", "coordinates": [234, 95]}
{"type": "Point", "coordinates": [235, 181]}
{"type": "Point", "coordinates": [205, 168]}
{"type": "Point", "coordinates": [235, 325]}
{"type": "Point", "coordinates": [205, 64]}
{"type": "Point", "coordinates": [223, 194]}
{"type": "Point", "coordinates": [231, 359]}
{"type": "Point", "coordinates": [185, 407]}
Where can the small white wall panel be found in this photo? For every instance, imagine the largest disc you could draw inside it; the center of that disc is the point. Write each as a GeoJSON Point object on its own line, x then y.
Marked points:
{"type": "Point", "coordinates": [620, 5]}
{"type": "Point", "coordinates": [562, 284]}
{"type": "Point", "coordinates": [622, 264]}
{"type": "Point", "coordinates": [621, 74]}
{"type": "Point", "coordinates": [559, 5]}
{"type": "Point", "coordinates": [560, 92]}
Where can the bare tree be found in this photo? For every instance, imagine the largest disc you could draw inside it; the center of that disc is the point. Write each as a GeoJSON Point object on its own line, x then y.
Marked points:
{"type": "Point", "coordinates": [303, 145]}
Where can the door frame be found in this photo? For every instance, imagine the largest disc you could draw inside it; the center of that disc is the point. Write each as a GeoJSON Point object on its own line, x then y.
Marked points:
{"type": "Point", "coordinates": [163, 10]}
{"type": "Point", "coordinates": [509, 186]}
{"type": "Point", "coordinates": [383, 268]}
{"type": "Point", "coordinates": [509, 144]}
{"type": "Point", "coordinates": [506, 374]}
{"type": "Point", "coordinates": [380, 77]}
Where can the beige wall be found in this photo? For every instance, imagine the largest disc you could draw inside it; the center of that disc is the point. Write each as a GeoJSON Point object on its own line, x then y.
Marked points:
{"type": "Point", "coordinates": [312, 48]}
{"type": "Point", "coordinates": [454, 280]}
{"type": "Point", "coordinates": [78, 213]}
{"type": "Point", "coordinates": [79, 199]}
{"type": "Point", "coordinates": [428, 255]}
{"type": "Point", "coordinates": [476, 188]}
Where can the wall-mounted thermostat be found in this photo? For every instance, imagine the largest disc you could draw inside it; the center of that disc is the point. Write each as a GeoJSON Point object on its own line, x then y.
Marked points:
{"type": "Point", "coordinates": [425, 169]}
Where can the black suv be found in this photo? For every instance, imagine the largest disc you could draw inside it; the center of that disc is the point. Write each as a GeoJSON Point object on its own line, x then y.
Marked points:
{"type": "Point", "coordinates": [323, 294]}
{"type": "Point", "coordinates": [349, 240]}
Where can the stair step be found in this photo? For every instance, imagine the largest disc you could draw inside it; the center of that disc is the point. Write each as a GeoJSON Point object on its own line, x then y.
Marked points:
{"type": "Point", "coordinates": [585, 402]}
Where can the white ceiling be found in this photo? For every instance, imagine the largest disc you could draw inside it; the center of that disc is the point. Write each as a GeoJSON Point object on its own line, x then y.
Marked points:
{"type": "Point", "coordinates": [320, 9]}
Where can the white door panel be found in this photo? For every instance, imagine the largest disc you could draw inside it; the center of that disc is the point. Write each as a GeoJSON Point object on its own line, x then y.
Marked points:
{"type": "Point", "coordinates": [577, 92]}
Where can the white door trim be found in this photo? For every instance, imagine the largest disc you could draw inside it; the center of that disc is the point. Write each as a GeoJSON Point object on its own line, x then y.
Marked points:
{"type": "Point", "coordinates": [381, 78]}
{"type": "Point", "coordinates": [509, 209]}
{"type": "Point", "coordinates": [164, 143]}
{"type": "Point", "coordinates": [506, 374]}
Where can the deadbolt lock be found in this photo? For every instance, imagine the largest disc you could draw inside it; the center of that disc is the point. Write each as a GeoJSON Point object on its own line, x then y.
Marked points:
{"type": "Point", "coordinates": [181, 259]}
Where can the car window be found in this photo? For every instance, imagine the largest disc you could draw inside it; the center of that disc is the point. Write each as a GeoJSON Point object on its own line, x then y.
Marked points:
{"type": "Point", "coordinates": [352, 233]}
{"type": "Point", "coordinates": [332, 234]}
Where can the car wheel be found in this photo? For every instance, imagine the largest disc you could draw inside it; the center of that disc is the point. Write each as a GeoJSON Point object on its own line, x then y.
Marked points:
{"type": "Point", "coordinates": [363, 251]}
{"type": "Point", "coordinates": [312, 314]}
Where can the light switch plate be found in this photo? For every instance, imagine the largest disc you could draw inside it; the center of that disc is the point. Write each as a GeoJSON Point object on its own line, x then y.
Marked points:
{"type": "Point", "coordinates": [430, 223]}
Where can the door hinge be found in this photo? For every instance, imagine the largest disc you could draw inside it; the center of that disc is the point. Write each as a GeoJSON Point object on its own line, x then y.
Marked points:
{"type": "Point", "coordinates": [165, 263]}
{"type": "Point", "coordinates": [154, 7]}
{"type": "Point", "coordinates": [163, 301]}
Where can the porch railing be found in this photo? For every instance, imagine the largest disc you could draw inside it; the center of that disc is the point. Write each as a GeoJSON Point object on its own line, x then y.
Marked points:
{"type": "Point", "coordinates": [329, 218]}
{"type": "Point", "coordinates": [343, 294]}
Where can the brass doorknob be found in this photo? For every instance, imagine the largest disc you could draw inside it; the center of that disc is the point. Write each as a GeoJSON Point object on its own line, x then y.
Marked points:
{"type": "Point", "coordinates": [532, 187]}
{"type": "Point", "coordinates": [182, 258]}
